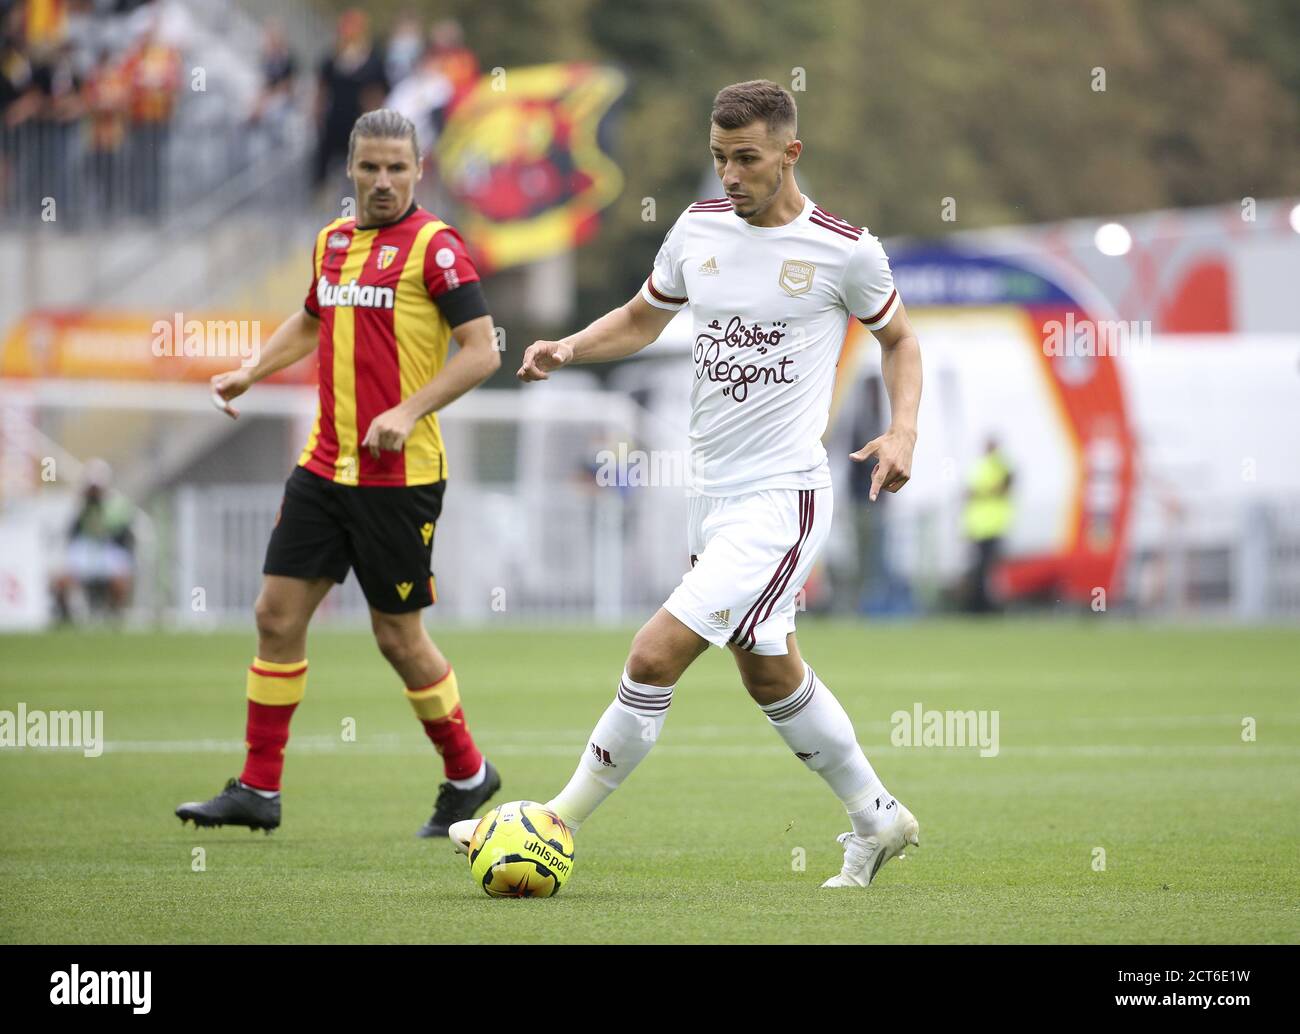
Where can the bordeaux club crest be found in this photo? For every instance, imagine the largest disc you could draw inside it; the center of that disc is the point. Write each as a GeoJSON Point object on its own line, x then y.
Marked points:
{"type": "Point", "coordinates": [796, 277]}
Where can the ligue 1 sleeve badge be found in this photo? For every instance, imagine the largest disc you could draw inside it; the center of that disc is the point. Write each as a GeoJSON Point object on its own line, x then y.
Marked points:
{"type": "Point", "coordinates": [796, 277]}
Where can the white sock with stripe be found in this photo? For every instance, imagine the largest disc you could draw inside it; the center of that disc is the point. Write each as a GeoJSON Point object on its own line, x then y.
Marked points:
{"type": "Point", "coordinates": [622, 738]}
{"type": "Point", "coordinates": [818, 730]}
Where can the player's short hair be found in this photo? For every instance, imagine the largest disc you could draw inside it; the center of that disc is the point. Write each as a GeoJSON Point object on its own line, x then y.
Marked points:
{"type": "Point", "coordinates": [383, 124]}
{"type": "Point", "coordinates": [740, 104]}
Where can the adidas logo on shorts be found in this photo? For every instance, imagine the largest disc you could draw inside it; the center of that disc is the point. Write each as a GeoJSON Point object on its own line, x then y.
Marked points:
{"type": "Point", "coordinates": [721, 618]}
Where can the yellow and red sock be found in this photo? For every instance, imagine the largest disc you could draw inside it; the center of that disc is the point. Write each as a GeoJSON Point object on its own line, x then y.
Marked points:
{"type": "Point", "coordinates": [438, 708]}
{"type": "Point", "coordinates": [274, 691]}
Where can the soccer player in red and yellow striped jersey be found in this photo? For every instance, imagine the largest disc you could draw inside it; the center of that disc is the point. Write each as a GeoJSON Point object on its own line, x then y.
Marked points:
{"type": "Point", "coordinates": [389, 291]}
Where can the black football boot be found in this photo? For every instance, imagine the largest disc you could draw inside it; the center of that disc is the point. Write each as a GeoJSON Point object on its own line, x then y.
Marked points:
{"type": "Point", "coordinates": [234, 806]}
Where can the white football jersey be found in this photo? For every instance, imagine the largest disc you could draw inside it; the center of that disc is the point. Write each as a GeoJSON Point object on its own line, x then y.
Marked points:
{"type": "Point", "coordinates": [770, 306]}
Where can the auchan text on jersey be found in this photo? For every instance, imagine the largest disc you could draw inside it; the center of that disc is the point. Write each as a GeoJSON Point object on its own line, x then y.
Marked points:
{"type": "Point", "coordinates": [365, 296]}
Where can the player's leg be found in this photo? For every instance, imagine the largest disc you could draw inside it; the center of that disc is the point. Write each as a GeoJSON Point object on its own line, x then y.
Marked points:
{"type": "Point", "coordinates": [390, 539]}
{"type": "Point", "coordinates": [306, 554]}
{"type": "Point", "coordinates": [816, 728]}
{"type": "Point", "coordinates": [661, 651]}
{"type": "Point", "coordinates": [274, 686]}
{"type": "Point", "coordinates": [432, 689]}
{"type": "Point", "coordinates": [807, 716]}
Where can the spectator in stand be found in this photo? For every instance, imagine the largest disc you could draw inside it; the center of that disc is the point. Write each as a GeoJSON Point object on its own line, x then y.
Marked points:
{"type": "Point", "coordinates": [405, 47]}
{"type": "Point", "coordinates": [423, 97]}
{"type": "Point", "coordinates": [85, 35]}
{"type": "Point", "coordinates": [352, 82]}
{"type": "Point", "coordinates": [274, 104]}
{"type": "Point", "coordinates": [17, 105]}
{"type": "Point", "coordinates": [46, 23]}
{"type": "Point", "coordinates": [106, 97]}
{"type": "Point", "coordinates": [57, 125]}
{"type": "Point", "coordinates": [153, 71]}
{"type": "Point", "coordinates": [455, 60]}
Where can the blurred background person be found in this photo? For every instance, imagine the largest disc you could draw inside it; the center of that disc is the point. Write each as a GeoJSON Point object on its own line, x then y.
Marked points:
{"type": "Point", "coordinates": [865, 587]}
{"type": "Point", "coordinates": [19, 102]}
{"type": "Point", "coordinates": [986, 521]}
{"type": "Point", "coordinates": [272, 109]}
{"type": "Point", "coordinates": [424, 97]}
{"type": "Point", "coordinates": [351, 82]}
{"type": "Point", "coordinates": [100, 564]}
{"type": "Point", "coordinates": [405, 47]}
{"type": "Point", "coordinates": [153, 72]}
{"type": "Point", "coordinates": [106, 95]}
{"type": "Point", "coordinates": [455, 60]}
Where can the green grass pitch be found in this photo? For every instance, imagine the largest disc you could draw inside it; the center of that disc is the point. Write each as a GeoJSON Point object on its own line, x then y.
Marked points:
{"type": "Point", "coordinates": [1126, 738]}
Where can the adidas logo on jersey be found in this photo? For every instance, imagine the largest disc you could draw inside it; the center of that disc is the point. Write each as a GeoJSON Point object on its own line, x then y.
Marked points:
{"type": "Point", "coordinates": [710, 268]}
{"type": "Point", "coordinates": [354, 294]}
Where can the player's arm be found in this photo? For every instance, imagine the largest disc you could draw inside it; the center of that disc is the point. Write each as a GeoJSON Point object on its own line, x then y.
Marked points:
{"type": "Point", "coordinates": [294, 338]}
{"type": "Point", "coordinates": [900, 367]}
{"type": "Point", "coordinates": [476, 359]}
{"type": "Point", "coordinates": [617, 334]}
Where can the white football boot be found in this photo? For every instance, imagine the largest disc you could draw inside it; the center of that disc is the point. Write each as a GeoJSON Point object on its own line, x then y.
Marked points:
{"type": "Point", "coordinates": [460, 832]}
{"type": "Point", "coordinates": [863, 856]}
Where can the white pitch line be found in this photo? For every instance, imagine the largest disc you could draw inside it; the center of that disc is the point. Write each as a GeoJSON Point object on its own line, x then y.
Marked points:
{"type": "Point", "coordinates": [391, 744]}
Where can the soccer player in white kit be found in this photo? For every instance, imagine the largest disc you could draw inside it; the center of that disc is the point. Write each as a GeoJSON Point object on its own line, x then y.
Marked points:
{"type": "Point", "coordinates": [771, 279]}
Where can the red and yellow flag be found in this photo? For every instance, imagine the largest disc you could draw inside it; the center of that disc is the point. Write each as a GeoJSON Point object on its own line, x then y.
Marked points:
{"type": "Point", "coordinates": [523, 154]}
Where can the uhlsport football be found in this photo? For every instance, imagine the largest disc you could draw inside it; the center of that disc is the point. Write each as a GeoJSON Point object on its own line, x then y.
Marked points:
{"type": "Point", "coordinates": [521, 850]}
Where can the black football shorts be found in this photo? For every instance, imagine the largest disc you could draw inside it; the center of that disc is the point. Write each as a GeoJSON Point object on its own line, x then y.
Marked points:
{"type": "Point", "coordinates": [383, 534]}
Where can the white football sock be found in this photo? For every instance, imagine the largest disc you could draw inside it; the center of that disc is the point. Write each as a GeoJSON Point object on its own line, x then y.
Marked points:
{"type": "Point", "coordinates": [268, 794]}
{"type": "Point", "coordinates": [817, 729]}
{"type": "Point", "coordinates": [872, 810]}
{"type": "Point", "coordinates": [472, 781]}
{"type": "Point", "coordinates": [623, 736]}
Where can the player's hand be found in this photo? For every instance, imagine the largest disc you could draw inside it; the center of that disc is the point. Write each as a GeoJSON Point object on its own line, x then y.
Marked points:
{"type": "Point", "coordinates": [227, 386]}
{"type": "Point", "coordinates": [542, 357]}
{"type": "Point", "coordinates": [893, 452]}
{"type": "Point", "coordinates": [389, 430]}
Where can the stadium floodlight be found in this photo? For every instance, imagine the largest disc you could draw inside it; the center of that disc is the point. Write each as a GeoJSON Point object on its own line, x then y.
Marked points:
{"type": "Point", "coordinates": [1113, 239]}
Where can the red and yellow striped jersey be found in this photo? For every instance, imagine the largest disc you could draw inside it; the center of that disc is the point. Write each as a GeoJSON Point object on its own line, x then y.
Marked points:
{"type": "Point", "coordinates": [382, 338]}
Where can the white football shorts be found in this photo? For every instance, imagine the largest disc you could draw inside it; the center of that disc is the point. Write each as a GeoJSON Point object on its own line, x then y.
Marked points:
{"type": "Point", "coordinates": [750, 557]}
